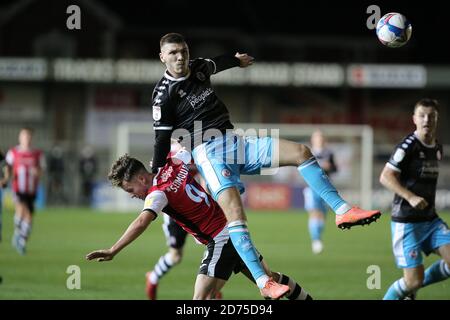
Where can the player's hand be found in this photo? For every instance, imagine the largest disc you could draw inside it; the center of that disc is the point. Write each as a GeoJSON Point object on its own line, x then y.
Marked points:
{"type": "Point", "coordinates": [418, 202]}
{"type": "Point", "coordinates": [100, 255]}
{"type": "Point", "coordinates": [245, 59]}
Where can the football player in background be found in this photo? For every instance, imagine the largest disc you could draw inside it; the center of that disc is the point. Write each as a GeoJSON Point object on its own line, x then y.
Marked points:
{"type": "Point", "coordinates": [412, 174]}
{"type": "Point", "coordinates": [24, 166]}
{"type": "Point", "coordinates": [314, 204]}
{"type": "Point", "coordinates": [178, 194]}
{"type": "Point", "coordinates": [2, 185]}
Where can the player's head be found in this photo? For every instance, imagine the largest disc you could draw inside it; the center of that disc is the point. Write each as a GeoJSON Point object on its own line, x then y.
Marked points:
{"type": "Point", "coordinates": [317, 140]}
{"type": "Point", "coordinates": [174, 54]}
{"type": "Point", "coordinates": [425, 116]}
{"type": "Point", "coordinates": [130, 175]}
{"type": "Point", "coordinates": [25, 137]}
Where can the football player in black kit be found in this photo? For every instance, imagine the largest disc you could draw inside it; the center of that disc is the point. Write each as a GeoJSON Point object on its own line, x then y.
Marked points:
{"type": "Point", "coordinates": [185, 106]}
{"type": "Point", "coordinates": [412, 173]}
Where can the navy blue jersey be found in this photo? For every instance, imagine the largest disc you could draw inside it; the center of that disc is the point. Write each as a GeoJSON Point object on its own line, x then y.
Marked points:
{"type": "Point", "coordinates": [180, 104]}
{"type": "Point", "coordinates": [418, 167]}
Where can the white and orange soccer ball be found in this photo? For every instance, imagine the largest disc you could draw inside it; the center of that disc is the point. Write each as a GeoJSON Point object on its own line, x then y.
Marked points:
{"type": "Point", "coordinates": [394, 30]}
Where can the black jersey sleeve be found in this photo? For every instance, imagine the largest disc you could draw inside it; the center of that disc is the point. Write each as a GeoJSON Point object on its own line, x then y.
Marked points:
{"type": "Point", "coordinates": [162, 109]}
{"type": "Point", "coordinates": [163, 122]}
{"type": "Point", "coordinates": [161, 149]}
{"type": "Point", "coordinates": [215, 65]}
{"type": "Point", "coordinates": [399, 158]}
{"type": "Point", "coordinates": [225, 62]}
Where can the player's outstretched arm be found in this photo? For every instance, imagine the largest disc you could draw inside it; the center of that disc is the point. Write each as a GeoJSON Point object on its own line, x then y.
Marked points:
{"type": "Point", "coordinates": [391, 180]}
{"type": "Point", "coordinates": [135, 229]}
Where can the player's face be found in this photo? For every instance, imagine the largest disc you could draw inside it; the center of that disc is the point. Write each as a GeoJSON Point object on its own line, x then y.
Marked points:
{"type": "Point", "coordinates": [176, 58]}
{"type": "Point", "coordinates": [25, 138]}
{"type": "Point", "coordinates": [136, 187]}
{"type": "Point", "coordinates": [425, 119]}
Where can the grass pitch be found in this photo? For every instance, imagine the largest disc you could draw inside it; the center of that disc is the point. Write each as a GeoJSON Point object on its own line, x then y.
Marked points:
{"type": "Point", "coordinates": [62, 237]}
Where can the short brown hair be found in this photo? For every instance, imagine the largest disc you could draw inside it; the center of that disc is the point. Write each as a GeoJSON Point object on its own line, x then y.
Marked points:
{"type": "Point", "coordinates": [28, 129]}
{"type": "Point", "coordinates": [171, 38]}
{"type": "Point", "coordinates": [124, 169]}
{"type": "Point", "coordinates": [427, 102]}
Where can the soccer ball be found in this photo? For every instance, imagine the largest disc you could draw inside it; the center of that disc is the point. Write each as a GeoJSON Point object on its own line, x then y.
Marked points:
{"type": "Point", "coordinates": [394, 30]}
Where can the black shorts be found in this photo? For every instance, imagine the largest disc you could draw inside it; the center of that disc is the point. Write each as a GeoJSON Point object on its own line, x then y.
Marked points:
{"type": "Point", "coordinates": [27, 199]}
{"type": "Point", "coordinates": [175, 235]}
{"type": "Point", "coordinates": [221, 258]}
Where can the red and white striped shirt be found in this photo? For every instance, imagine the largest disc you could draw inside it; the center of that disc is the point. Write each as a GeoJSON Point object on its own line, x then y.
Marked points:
{"type": "Point", "coordinates": [176, 193]}
{"type": "Point", "coordinates": [25, 167]}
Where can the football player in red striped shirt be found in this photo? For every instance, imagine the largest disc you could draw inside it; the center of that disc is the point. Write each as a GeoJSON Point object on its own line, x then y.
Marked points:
{"type": "Point", "coordinates": [24, 167]}
{"type": "Point", "coordinates": [174, 191]}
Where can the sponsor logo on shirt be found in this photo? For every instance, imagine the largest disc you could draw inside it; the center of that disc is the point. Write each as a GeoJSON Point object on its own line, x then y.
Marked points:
{"type": "Point", "coordinates": [226, 173]}
{"type": "Point", "coordinates": [165, 175]}
{"type": "Point", "coordinates": [197, 101]}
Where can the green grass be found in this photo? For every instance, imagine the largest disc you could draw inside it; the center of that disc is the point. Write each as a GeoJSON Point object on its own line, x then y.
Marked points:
{"type": "Point", "coordinates": [62, 237]}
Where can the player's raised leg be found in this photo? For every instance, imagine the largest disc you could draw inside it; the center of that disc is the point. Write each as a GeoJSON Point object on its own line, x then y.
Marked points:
{"type": "Point", "coordinates": [295, 154]}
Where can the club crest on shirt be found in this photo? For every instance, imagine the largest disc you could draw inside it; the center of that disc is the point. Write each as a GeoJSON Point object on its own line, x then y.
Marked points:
{"type": "Point", "coordinates": [200, 76]}
{"type": "Point", "coordinates": [156, 113]}
{"type": "Point", "coordinates": [413, 254]}
{"type": "Point", "coordinates": [226, 173]}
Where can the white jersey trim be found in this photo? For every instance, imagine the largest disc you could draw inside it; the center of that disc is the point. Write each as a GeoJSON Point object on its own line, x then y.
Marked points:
{"type": "Point", "coordinates": [391, 166]}
{"type": "Point", "coordinates": [155, 201]}
{"type": "Point", "coordinates": [215, 67]}
{"type": "Point", "coordinates": [184, 156]}
{"type": "Point", "coordinates": [166, 75]}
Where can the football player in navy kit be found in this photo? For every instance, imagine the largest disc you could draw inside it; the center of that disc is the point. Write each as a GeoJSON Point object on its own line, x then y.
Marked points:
{"type": "Point", "coordinates": [185, 106]}
{"type": "Point", "coordinates": [314, 204]}
{"type": "Point", "coordinates": [412, 173]}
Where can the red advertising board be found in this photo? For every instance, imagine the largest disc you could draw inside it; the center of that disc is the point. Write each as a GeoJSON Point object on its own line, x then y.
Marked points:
{"type": "Point", "coordinates": [268, 196]}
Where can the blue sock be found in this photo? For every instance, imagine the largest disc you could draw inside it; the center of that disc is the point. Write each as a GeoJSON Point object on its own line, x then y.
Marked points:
{"type": "Point", "coordinates": [240, 237]}
{"type": "Point", "coordinates": [315, 227]}
{"type": "Point", "coordinates": [318, 181]}
{"type": "Point", "coordinates": [438, 271]}
{"type": "Point", "coordinates": [397, 291]}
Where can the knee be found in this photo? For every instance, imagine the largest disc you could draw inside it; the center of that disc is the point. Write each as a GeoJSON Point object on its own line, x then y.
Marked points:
{"type": "Point", "coordinates": [302, 153]}
{"type": "Point", "coordinates": [201, 294]}
{"type": "Point", "coordinates": [177, 256]}
{"type": "Point", "coordinates": [414, 283]}
{"type": "Point", "coordinates": [234, 211]}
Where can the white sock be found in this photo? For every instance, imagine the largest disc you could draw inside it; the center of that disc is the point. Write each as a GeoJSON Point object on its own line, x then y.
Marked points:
{"type": "Point", "coordinates": [261, 281]}
{"type": "Point", "coordinates": [343, 209]}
